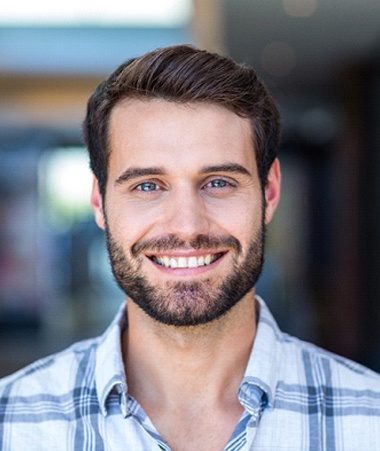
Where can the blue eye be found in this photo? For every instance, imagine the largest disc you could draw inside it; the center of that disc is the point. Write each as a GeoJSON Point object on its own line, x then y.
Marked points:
{"type": "Point", "coordinates": [218, 183]}
{"type": "Point", "coordinates": [147, 186]}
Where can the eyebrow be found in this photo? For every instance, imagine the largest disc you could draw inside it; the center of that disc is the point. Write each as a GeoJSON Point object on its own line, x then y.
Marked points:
{"type": "Point", "coordinates": [133, 173]}
{"type": "Point", "coordinates": [228, 167]}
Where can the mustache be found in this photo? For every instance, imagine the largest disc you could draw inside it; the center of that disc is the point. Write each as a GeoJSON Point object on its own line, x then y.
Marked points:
{"type": "Point", "coordinates": [172, 242]}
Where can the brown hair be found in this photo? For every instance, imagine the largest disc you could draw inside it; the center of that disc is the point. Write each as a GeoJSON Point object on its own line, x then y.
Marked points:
{"type": "Point", "coordinates": [184, 74]}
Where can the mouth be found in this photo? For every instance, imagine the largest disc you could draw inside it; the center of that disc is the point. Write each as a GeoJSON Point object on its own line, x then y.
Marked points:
{"type": "Point", "coordinates": [186, 262]}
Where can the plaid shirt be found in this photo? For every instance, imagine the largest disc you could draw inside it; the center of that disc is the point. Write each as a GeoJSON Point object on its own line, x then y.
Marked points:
{"type": "Point", "coordinates": [295, 395]}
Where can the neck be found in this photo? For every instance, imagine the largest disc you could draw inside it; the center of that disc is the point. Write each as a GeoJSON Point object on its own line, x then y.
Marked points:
{"type": "Point", "coordinates": [167, 364]}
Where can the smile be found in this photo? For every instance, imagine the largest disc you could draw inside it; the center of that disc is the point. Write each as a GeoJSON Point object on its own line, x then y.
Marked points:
{"type": "Point", "coordinates": [186, 262]}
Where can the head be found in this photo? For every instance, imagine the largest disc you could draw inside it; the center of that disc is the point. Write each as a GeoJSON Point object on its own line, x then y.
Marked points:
{"type": "Point", "coordinates": [184, 74]}
{"type": "Point", "coordinates": [183, 147]}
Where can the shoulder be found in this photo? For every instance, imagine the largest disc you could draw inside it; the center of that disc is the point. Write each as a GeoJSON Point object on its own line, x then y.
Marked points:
{"type": "Point", "coordinates": [40, 404]}
{"type": "Point", "coordinates": [333, 401]}
{"type": "Point", "coordinates": [320, 401]}
{"type": "Point", "coordinates": [54, 374]}
{"type": "Point", "coordinates": [324, 365]}
{"type": "Point", "coordinates": [302, 364]}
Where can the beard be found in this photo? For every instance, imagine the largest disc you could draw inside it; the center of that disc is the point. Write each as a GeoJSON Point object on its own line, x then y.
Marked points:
{"type": "Point", "coordinates": [187, 303]}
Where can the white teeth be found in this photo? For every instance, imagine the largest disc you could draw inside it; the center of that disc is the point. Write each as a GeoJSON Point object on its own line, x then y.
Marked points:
{"type": "Point", "coordinates": [182, 262]}
{"type": "Point", "coordinates": [186, 262]}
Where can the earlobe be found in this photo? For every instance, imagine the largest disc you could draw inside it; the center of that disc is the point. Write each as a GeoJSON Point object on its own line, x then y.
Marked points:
{"type": "Point", "coordinates": [272, 190]}
{"type": "Point", "coordinates": [97, 204]}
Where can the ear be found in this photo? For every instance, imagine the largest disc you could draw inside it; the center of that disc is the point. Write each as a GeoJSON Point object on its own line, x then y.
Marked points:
{"type": "Point", "coordinates": [97, 204]}
{"type": "Point", "coordinates": [272, 190]}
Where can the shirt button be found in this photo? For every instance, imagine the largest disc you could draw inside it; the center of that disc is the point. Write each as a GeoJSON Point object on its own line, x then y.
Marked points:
{"type": "Point", "coordinates": [251, 423]}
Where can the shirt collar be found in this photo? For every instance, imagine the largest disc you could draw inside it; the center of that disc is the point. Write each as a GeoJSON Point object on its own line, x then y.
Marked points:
{"type": "Point", "coordinates": [260, 379]}
{"type": "Point", "coordinates": [109, 369]}
{"type": "Point", "coordinates": [256, 390]}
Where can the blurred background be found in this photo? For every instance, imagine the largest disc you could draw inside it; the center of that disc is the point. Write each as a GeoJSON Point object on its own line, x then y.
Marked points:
{"type": "Point", "coordinates": [320, 59]}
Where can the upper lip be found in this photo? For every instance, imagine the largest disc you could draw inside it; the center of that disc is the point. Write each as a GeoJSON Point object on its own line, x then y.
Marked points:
{"type": "Point", "coordinates": [185, 253]}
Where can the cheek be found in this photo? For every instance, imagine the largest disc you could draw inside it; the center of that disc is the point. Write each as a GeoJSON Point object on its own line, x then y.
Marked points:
{"type": "Point", "coordinates": [129, 225]}
{"type": "Point", "coordinates": [242, 218]}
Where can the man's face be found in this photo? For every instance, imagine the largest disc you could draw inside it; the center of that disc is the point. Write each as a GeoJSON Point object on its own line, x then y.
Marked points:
{"type": "Point", "coordinates": [184, 209]}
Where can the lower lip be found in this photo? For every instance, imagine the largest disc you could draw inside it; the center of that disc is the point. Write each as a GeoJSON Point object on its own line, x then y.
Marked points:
{"type": "Point", "coordinates": [182, 272]}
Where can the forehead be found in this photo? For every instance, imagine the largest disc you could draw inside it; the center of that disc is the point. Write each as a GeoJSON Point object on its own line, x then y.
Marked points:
{"type": "Point", "coordinates": [162, 132]}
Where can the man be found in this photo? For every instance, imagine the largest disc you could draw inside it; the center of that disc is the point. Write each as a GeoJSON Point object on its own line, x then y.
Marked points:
{"type": "Point", "coordinates": [183, 146]}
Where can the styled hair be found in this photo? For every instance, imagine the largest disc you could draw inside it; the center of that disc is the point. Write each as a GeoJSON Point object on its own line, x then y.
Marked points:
{"type": "Point", "coordinates": [184, 74]}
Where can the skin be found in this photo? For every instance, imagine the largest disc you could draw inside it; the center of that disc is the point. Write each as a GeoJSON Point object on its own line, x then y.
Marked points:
{"type": "Point", "coordinates": [185, 171]}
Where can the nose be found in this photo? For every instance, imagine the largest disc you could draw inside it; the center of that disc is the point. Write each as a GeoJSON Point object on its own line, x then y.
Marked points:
{"type": "Point", "coordinates": [186, 214]}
